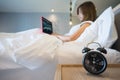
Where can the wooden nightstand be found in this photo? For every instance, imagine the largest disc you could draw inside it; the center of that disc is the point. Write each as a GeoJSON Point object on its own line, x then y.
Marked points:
{"type": "Point", "coordinates": [77, 72]}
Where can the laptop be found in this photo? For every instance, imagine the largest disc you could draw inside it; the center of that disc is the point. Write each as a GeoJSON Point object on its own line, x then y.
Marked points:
{"type": "Point", "coordinates": [46, 26]}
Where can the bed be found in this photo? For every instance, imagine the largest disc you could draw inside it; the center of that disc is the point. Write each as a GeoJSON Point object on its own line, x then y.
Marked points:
{"type": "Point", "coordinates": [12, 71]}
{"type": "Point", "coordinates": [68, 57]}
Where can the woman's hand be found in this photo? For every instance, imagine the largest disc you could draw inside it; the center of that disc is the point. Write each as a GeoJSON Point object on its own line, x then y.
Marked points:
{"type": "Point", "coordinates": [55, 34]}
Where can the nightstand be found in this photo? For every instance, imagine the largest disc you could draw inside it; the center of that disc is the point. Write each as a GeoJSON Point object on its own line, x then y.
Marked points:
{"type": "Point", "coordinates": [77, 72]}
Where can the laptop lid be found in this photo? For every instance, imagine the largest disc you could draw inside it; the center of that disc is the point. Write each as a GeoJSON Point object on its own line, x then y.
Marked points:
{"type": "Point", "coordinates": [46, 26]}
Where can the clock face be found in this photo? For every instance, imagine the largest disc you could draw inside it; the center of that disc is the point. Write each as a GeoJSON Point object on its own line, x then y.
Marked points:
{"type": "Point", "coordinates": [94, 62]}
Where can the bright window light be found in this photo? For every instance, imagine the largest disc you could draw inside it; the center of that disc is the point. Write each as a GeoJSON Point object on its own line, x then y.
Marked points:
{"type": "Point", "coordinates": [70, 23]}
{"type": "Point", "coordinates": [52, 10]}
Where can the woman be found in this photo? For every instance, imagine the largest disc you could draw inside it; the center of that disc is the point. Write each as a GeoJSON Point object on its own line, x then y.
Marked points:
{"type": "Point", "coordinates": [86, 13]}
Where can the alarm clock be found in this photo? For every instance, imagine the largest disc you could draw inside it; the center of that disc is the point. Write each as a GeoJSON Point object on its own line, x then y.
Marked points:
{"type": "Point", "coordinates": [93, 60]}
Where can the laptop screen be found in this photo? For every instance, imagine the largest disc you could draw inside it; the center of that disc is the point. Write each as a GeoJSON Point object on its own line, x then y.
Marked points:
{"type": "Point", "coordinates": [46, 26]}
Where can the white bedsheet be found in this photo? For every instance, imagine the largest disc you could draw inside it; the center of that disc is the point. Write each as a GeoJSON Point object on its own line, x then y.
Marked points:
{"type": "Point", "coordinates": [71, 53]}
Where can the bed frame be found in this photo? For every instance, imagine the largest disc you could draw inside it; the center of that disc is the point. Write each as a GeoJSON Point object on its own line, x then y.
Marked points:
{"type": "Point", "coordinates": [116, 45]}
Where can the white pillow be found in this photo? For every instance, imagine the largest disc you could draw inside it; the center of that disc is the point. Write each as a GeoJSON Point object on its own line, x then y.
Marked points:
{"type": "Point", "coordinates": [102, 30]}
{"type": "Point", "coordinates": [107, 33]}
{"type": "Point", "coordinates": [116, 7]}
{"type": "Point", "coordinates": [88, 35]}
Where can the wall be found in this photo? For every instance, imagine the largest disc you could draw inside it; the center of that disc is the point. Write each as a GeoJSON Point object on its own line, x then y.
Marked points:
{"type": "Point", "coordinates": [14, 22]}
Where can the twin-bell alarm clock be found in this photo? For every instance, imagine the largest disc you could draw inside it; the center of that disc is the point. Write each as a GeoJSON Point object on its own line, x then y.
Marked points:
{"type": "Point", "coordinates": [94, 61]}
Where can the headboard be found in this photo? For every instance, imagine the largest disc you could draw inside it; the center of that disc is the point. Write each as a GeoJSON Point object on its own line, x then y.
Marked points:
{"type": "Point", "coordinates": [116, 45]}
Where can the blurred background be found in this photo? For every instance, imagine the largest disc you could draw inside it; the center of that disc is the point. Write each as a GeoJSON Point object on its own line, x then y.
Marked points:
{"type": "Point", "coordinates": [20, 15]}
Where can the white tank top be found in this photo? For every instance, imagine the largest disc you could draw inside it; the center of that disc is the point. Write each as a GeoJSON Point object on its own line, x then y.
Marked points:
{"type": "Point", "coordinates": [76, 27]}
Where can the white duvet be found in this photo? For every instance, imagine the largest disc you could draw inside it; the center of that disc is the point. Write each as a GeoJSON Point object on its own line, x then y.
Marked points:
{"type": "Point", "coordinates": [33, 50]}
{"type": "Point", "coordinates": [28, 48]}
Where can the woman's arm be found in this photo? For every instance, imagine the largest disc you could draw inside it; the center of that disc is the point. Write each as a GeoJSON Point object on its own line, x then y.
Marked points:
{"type": "Point", "coordinates": [73, 36]}
{"type": "Point", "coordinates": [79, 31]}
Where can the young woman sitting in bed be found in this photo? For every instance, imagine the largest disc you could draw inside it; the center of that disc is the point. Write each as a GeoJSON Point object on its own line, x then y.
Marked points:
{"type": "Point", "coordinates": [87, 14]}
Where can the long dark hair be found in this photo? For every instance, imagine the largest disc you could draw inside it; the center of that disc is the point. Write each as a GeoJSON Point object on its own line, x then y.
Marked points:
{"type": "Point", "coordinates": [89, 11]}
